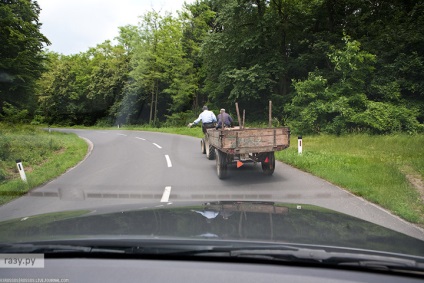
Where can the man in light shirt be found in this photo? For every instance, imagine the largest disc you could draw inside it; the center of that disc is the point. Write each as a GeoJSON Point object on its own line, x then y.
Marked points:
{"type": "Point", "coordinates": [208, 119]}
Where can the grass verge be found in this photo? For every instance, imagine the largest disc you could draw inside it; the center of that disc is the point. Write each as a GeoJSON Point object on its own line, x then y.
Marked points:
{"type": "Point", "coordinates": [44, 156]}
{"type": "Point", "coordinates": [377, 168]}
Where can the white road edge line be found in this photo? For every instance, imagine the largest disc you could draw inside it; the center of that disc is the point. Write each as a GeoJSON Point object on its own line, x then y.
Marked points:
{"type": "Point", "coordinates": [158, 146]}
{"type": "Point", "coordinates": [140, 138]}
{"type": "Point", "coordinates": [122, 135]}
{"type": "Point", "coordinates": [168, 161]}
{"type": "Point", "coordinates": [166, 193]}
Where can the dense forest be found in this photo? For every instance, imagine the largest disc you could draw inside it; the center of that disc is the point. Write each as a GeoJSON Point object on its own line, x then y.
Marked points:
{"type": "Point", "coordinates": [329, 66]}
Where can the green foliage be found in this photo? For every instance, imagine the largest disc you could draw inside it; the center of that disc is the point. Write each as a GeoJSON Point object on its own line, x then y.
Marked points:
{"type": "Point", "coordinates": [11, 114]}
{"type": "Point", "coordinates": [157, 53]}
{"type": "Point", "coordinates": [5, 152]}
{"type": "Point", "coordinates": [105, 122]}
{"type": "Point", "coordinates": [248, 57]}
{"type": "Point", "coordinates": [345, 104]}
{"type": "Point", "coordinates": [21, 59]}
{"type": "Point", "coordinates": [382, 118]}
{"type": "Point", "coordinates": [353, 64]}
{"type": "Point", "coordinates": [179, 119]}
{"type": "Point", "coordinates": [130, 108]}
{"type": "Point", "coordinates": [222, 52]}
{"type": "Point", "coordinates": [79, 89]}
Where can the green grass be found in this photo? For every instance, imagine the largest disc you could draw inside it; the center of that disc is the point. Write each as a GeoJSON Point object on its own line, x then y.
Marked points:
{"type": "Point", "coordinates": [44, 156]}
{"type": "Point", "coordinates": [373, 167]}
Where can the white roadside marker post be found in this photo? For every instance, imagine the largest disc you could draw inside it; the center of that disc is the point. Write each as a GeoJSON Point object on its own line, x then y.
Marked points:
{"type": "Point", "coordinates": [21, 170]}
{"type": "Point", "coordinates": [299, 144]}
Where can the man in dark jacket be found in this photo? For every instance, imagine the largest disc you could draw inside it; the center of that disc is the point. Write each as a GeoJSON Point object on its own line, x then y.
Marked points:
{"type": "Point", "coordinates": [224, 120]}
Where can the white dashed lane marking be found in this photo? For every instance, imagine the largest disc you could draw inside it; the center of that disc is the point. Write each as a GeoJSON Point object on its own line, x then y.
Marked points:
{"type": "Point", "coordinates": [168, 161]}
{"type": "Point", "coordinates": [158, 146]}
{"type": "Point", "coordinates": [166, 193]}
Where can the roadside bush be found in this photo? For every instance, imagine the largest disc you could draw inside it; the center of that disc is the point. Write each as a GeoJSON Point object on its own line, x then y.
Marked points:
{"type": "Point", "coordinates": [382, 118]}
{"type": "Point", "coordinates": [4, 147]}
{"type": "Point", "coordinates": [12, 114]}
{"type": "Point", "coordinates": [105, 122]}
{"type": "Point", "coordinates": [38, 120]}
{"type": "Point", "coordinates": [179, 119]}
{"type": "Point", "coordinates": [2, 175]}
{"type": "Point", "coordinates": [353, 100]}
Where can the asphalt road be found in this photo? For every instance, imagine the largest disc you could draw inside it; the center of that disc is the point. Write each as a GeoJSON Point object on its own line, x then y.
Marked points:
{"type": "Point", "coordinates": [136, 167]}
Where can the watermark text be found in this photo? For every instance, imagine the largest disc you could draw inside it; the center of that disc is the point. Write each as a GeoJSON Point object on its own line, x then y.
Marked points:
{"type": "Point", "coordinates": [21, 261]}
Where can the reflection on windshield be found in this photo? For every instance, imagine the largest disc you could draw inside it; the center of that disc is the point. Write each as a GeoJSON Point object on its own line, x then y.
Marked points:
{"type": "Point", "coordinates": [254, 221]}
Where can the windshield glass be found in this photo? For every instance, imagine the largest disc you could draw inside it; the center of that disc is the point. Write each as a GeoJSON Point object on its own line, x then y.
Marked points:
{"type": "Point", "coordinates": [206, 121]}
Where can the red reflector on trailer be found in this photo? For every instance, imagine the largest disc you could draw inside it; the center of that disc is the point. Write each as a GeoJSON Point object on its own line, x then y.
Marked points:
{"type": "Point", "coordinates": [266, 160]}
{"type": "Point", "coordinates": [239, 163]}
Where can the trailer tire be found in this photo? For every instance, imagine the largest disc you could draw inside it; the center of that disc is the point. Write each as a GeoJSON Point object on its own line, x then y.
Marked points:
{"type": "Point", "coordinates": [221, 164]}
{"type": "Point", "coordinates": [269, 167]}
{"type": "Point", "coordinates": [210, 150]}
{"type": "Point", "coordinates": [202, 146]}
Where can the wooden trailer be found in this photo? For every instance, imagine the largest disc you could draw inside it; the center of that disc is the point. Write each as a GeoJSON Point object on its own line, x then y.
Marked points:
{"type": "Point", "coordinates": [240, 145]}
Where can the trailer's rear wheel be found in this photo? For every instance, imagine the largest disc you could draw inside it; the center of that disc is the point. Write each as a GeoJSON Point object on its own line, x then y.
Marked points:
{"type": "Point", "coordinates": [268, 164]}
{"type": "Point", "coordinates": [221, 164]}
{"type": "Point", "coordinates": [202, 145]}
{"type": "Point", "coordinates": [210, 150]}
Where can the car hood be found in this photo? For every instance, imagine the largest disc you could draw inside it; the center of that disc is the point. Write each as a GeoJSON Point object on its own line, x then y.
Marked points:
{"type": "Point", "coordinates": [236, 221]}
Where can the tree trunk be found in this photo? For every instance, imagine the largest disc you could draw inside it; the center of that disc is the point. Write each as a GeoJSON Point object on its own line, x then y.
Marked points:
{"type": "Point", "coordinates": [151, 106]}
{"type": "Point", "coordinates": [156, 101]}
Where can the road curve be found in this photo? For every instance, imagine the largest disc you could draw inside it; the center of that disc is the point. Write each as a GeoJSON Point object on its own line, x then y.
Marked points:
{"type": "Point", "coordinates": [138, 167]}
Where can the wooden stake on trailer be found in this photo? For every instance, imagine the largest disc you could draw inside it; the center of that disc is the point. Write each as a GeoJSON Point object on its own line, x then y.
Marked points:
{"type": "Point", "coordinates": [244, 116]}
{"type": "Point", "coordinates": [270, 114]}
{"type": "Point", "coordinates": [238, 116]}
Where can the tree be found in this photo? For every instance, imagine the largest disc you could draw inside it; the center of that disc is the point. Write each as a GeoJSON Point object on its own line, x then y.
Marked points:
{"type": "Point", "coordinates": [146, 71]}
{"type": "Point", "coordinates": [253, 52]}
{"type": "Point", "coordinates": [64, 92]}
{"type": "Point", "coordinates": [390, 30]}
{"type": "Point", "coordinates": [83, 88]}
{"type": "Point", "coordinates": [197, 20]}
{"type": "Point", "coordinates": [345, 103]}
{"type": "Point", "coordinates": [127, 36]}
{"type": "Point", "coordinates": [21, 57]}
{"type": "Point", "coordinates": [158, 66]}
{"type": "Point", "coordinates": [109, 75]}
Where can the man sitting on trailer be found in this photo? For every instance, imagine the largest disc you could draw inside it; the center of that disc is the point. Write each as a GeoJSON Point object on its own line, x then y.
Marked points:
{"type": "Point", "coordinates": [224, 120]}
{"type": "Point", "coordinates": [208, 119]}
